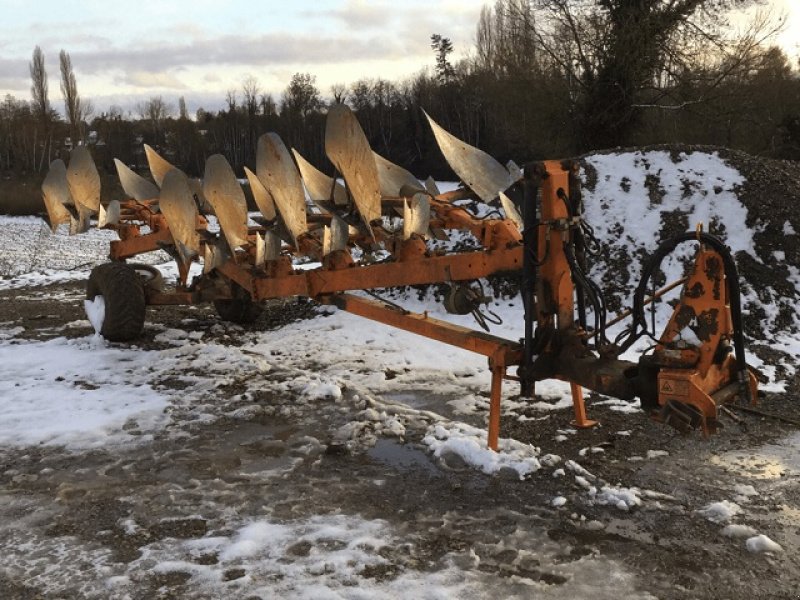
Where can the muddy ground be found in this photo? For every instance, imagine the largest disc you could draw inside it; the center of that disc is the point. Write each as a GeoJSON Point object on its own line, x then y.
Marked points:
{"type": "Point", "coordinates": [497, 525]}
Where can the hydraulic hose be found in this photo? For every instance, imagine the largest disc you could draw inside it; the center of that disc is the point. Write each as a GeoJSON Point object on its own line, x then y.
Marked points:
{"type": "Point", "coordinates": [734, 296]}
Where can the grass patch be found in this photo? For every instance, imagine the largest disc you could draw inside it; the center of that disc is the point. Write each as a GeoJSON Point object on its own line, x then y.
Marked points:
{"type": "Point", "coordinates": [21, 195]}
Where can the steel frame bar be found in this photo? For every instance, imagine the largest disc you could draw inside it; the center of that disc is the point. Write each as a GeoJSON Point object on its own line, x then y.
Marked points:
{"type": "Point", "coordinates": [500, 351]}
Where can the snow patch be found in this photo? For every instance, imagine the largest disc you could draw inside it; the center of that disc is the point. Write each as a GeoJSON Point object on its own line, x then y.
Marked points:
{"type": "Point", "coordinates": [738, 531]}
{"type": "Point", "coordinates": [318, 390]}
{"type": "Point", "coordinates": [75, 392]}
{"type": "Point", "coordinates": [470, 444]}
{"type": "Point", "coordinates": [761, 543]}
{"type": "Point", "coordinates": [96, 312]}
{"type": "Point", "coordinates": [720, 512]}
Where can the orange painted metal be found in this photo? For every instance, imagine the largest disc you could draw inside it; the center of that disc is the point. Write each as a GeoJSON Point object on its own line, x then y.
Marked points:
{"type": "Point", "coordinates": [421, 269]}
{"type": "Point", "coordinates": [581, 422]}
{"type": "Point", "coordinates": [139, 244]}
{"type": "Point", "coordinates": [556, 292]}
{"type": "Point", "coordinates": [493, 434]}
{"type": "Point", "coordinates": [692, 376]}
{"type": "Point", "coordinates": [499, 351]}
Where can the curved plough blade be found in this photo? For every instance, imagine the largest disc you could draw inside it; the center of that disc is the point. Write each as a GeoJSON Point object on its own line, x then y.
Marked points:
{"type": "Point", "coordinates": [263, 198]}
{"type": "Point", "coordinates": [335, 237]}
{"type": "Point", "coordinates": [180, 211]}
{"type": "Point", "coordinates": [55, 192]}
{"type": "Point", "coordinates": [133, 184]}
{"type": "Point", "coordinates": [260, 259]}
{"type": "Point", "coordinates": [431, 187]}
{"type": "Point", "coordinates": [514, 170]}
{"type": "Point", "coordinates": [280, 176]}
{"type": "Point", "coordinates": [318, 184]}
{"type": "Point", "coordinates": [159, 166]}
{"type": "Point", "coordinates": [511, 210]}
{"type": "Point", "coordinates": [272, 246]}
{"type": "Point", "coordinates": [215, 254]}
{"type": "Point", "coordinates": [480, 172]}
{"type": "Point", "coordinates": [416, 216]}
{"type": "Point", "coordinates": [349, 151]}
{"type": "Point", "coordinates": [393, 178]}
{"type": "Point", "coordinates": [84, 183]}
{"type": "Point", "coordinates": [226, 197]}
{"type": "Point", "coordinates": [108, 216]}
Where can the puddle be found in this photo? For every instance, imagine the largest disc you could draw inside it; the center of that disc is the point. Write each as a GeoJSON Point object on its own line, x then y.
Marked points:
{"type": "Point", "coordinates": [427, 401]}
{"type": "Point", "coordinates": [419, 399]}
{"type": "Point", "coordinates": [402, 457]}
{"type": "Point", "coordinates": [771, 461]}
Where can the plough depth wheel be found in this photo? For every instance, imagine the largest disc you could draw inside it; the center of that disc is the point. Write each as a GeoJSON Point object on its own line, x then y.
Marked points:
{"type": "Point", "coordinates": [123, 294]}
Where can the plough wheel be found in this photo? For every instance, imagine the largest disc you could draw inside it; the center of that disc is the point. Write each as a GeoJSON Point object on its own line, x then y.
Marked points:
{"type": "Point", "coordinates": [123, 293]}
{"type": "Point", "coordinates": [240, 309]}
{"type": "Point", "coordinates": [151, 277]}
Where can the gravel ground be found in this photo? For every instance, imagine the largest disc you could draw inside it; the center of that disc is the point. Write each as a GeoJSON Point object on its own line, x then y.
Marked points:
{"type": "Point", "coordinates": [499, 528]}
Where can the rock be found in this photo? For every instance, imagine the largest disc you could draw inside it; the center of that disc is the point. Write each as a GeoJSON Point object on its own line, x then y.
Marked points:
{"type": "Point", "coordinates": [453, 461]}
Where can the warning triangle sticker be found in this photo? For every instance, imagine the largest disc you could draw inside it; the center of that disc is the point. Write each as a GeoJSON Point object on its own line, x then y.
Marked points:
{"type": "Point", "coordinates": [666, 387]}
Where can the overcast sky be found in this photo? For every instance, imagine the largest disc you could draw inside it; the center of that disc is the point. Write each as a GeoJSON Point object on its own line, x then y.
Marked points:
{"type": "Point", "coordinates": [125, 51]}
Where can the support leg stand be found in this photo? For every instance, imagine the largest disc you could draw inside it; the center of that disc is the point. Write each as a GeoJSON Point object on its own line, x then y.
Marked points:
{"type": "Point", "coordinates": [581, 422]}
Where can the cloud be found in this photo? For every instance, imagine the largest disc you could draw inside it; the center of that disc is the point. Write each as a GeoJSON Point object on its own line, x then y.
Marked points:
{"type": "Point", "coordinates": [14, 75]}
{"type": "Point", "coordinates": [262, 50]}
{"type": "Point", "coordinates": [150, 79]}
{"type": "Point", "coordinates": [360, 14]}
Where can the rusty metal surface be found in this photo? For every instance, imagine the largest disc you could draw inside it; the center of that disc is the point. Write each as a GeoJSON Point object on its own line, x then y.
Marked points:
{"type": "Point", "coordinates": [83, 181]}
{"type": "Point", "coordinates": [335, 236]}
{"type": "Point", "coordinates": [55, 192]}
{"type": "Point", "coordinates": [223, 192]}
{"type": "Point", "coordinates": [319, 186]}
{"type": "Point", "coordinates": [133, 184]}
{"type": "Point", "coordinates": [478, 170]}
{"type": "Point", "coordinates": [349, 151]}
{"type": "Point", "coordinates": [180, 211]}
{"type": "Point", "coordinates": [511, 210]}
{"type": "Point", "coordinates": [280, 176]}
{"type": "Point", "coordinates": [159, 166]}
{"type": "Point", "coordinates": [416, 216]}
{"type": "Point", "coordinates": [394, 178]}
{"type": "Point", "coordinates": [261, 195]}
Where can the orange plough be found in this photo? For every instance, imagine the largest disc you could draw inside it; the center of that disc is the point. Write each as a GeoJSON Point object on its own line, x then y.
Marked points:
{"type": "Point", "coordinates": [695, 366]}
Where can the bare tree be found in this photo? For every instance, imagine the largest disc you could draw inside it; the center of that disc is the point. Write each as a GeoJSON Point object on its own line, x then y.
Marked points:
{"type": "Point", "coordinates": [251, 89]}
{"type": "Point", "coordinates": [230, 100]}
{"type": "Point", "coordinates": [268, 107]}
{"type": "Point", "coordinates": [155, 110]}
{"type": "Point", "coordinates": [40, 104]}
{"type": "Point", "coordinates": [301, 95]}
{"type": "Point", "coordinates": [182, 112]}
{"type": "Point", "coordinates": [339, 93]}
{"type": "Point", "coordinates": [75, 109]}
{"type": "Point", "coordinates": [617, 57]}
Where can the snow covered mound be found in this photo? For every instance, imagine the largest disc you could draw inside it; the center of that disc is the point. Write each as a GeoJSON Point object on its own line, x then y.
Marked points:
{"type": "Point", "coordinates": [636, 199]}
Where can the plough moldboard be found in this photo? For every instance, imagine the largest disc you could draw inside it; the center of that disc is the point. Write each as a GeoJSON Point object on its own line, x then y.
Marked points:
{"type": "Point", "coordinates": [695, 365]}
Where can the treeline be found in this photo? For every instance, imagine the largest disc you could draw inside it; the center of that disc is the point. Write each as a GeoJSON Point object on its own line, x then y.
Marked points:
{"type": "Point", "coordinates": [550, 78]}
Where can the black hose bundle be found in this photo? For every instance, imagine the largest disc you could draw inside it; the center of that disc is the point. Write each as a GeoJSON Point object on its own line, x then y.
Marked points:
{"type": "Point", "coordinates": [639, 325]}
{"type": "Point", "coordinates": [584, 285]}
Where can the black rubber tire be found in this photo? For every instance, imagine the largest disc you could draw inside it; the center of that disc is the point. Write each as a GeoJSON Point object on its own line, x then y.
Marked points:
{"type": "Point", "coordinates": [123, 293]}
{"type": "Point", "coordinates": [151, 277]}
{"type": "Point", "coordinates": [240, 309]}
